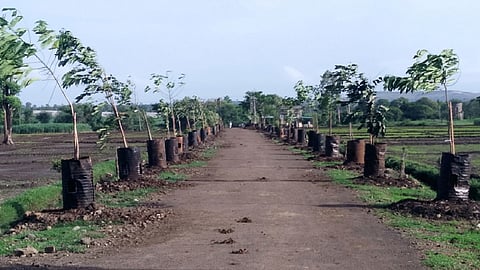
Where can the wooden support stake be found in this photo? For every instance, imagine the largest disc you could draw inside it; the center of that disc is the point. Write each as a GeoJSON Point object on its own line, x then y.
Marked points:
{"type": "Point", "coordinates": [450, 129]}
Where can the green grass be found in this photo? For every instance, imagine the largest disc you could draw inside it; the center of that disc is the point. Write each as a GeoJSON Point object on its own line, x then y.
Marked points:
{"type": "Point", "coordinates": [209, 153]}
{"type": "Point", "coordinates": [61, 236]}
{"type": "Point", "coordinates": [34, 199]}
{"type": "Point", "coordinates": [100, 169]}
{"type": "Point", "coordinates": [305, 153]}
{"type": "Point", "coordinates": [172, 176]}
{"type": "Point", "coordinates": [431, 154]}
{"type": "Point", "coordinates": [450, 245]}
{"type": "Point", "coordinates": [193, 164]}
{"type": "Point", "coordinates": [125, 198]}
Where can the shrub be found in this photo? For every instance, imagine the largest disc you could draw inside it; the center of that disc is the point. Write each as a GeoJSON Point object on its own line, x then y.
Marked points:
{"type": "Point", "coordinates": [475, 189]}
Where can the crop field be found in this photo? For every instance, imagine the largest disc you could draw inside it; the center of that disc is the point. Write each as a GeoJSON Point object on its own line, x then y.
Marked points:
{"type": "Point", "coordinates": [424, 144]}
{"type": "Point", "coordinates": [29, 162]}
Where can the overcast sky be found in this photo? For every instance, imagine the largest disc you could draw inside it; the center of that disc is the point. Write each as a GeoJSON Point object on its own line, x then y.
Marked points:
{"type": "Point", "coordinates": [229, 47]}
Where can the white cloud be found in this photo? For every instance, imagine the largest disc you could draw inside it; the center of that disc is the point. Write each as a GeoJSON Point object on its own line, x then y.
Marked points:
{"type": "Point", "coordinates": [293, 73]}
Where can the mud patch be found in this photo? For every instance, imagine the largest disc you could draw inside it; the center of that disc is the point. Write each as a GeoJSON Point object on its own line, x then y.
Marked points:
{"type": "Point", "coordinates": [387, 182]}
{"type": "Point", "coordinates": [439, 209]}
{"type": "Point", "coordinates": [228, 241]}
{"type": "Point", "coordinates": [225, 231]}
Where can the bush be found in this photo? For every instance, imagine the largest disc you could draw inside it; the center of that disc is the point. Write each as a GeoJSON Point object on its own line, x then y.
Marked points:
{"type": "Point", "coordinates": [476, 122]}
{"type": "Point", "coordinates": [475, 189]}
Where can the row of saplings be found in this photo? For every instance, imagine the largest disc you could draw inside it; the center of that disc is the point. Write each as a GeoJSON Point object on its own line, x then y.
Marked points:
{"type": "Point", "coordinates": [455, 171]}
{"type": "Point", "coordinates": [77, 174]}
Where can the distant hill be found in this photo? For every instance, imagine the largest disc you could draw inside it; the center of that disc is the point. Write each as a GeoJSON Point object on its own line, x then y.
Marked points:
{"type": "Point", "coordinates": [434, 95]}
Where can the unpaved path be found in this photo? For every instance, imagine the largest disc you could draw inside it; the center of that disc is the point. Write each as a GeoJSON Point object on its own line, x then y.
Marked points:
{"type": "Point", "coordinates": [299, 219]}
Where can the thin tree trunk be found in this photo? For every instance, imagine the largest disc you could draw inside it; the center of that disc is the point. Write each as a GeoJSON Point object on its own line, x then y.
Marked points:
{"type": "Point", "coordinates": [173, 124]}
{"type": "Point", "coordinates": [119, 121]}
{"type": "Point", "coordinates": [330, 123]}
{"type": "Point", "coordinates": [188, 124]}
{"type": "Point", "coordinates": [76, 144]}
{"type": "Point", "coordinates": [147, 125]}
{"type": "Point", "coordinates": [7, 124]}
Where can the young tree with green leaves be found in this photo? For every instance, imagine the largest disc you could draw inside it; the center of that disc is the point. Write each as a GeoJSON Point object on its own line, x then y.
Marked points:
{"type": "Point", "coordinates": [429, 72]}
{"type": "Point", "coordinates": [172, 85]}
{"type": "Point", "coordinates": [366, 111]}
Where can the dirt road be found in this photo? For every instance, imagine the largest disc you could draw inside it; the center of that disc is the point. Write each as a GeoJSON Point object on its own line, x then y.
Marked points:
{"type": "Point", "coordinates": [260, 207]}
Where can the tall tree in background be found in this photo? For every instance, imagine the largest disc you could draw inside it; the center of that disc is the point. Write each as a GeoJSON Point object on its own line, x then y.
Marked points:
{"type": "Point", "coordinates": [13, 70]}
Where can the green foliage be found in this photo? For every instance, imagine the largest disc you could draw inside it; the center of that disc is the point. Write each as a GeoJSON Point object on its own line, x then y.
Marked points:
{"type": "Point", "coordinates": [475, 189]}
{"type": "Point", "coordinates": [44, 117]}
{"type": "Point", "coordinates": [427, 73]}
{"type": "Point", "coordinates": [34, 199]}
{"type": "Point", "coordinates": [257, 105]}
{"type": "Point", "coordinates": [370, 115]}
{"type": "Point", "coordinates": [231, 112]}
{"type": "Point", "coordinates": [168, 86]}
{"type": "Point", "coordinates": [14, 71]}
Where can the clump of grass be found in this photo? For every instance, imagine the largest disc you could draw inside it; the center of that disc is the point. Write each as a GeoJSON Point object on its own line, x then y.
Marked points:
{"type": "Point", "coordinates": [34, 199]}
{"type": "Point", "coordinates": [380, 196]}
{"type": "Point", "coordinates": [193, 164]}
{"type": "Point", "coordinates": [209, 153]}
{"type": "Point", "coordinates": [64, 236]}
{"type": "Point", "coordinates": [129, 198]}
{"type": "Point", "coordinates": [305, 153]}
{"type": "Point", "coordinates": [100, 169]}
{"type": "Point", "coordinates": [172, 177]}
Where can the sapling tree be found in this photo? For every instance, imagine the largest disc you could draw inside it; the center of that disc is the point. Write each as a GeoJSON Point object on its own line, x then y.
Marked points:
{"type": "Point", "coordinates": [184, 109]}
{"type": "Point", "coordinates": [366, 111]}
{"type": "Point", "coordinates": [332, 85]}
{"type": "Point", "coordinates": [429, 72]}
{"type": "Point", "coordinates": [69, 52]}
{"type": "Point", "coordinates": [87, 71]}
{"type": "Point", "coordinates": [170, 90]}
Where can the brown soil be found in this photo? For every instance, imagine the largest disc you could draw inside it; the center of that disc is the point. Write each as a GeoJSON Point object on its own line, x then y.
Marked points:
{"type": "Point", "coordinates": [439, 209]}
